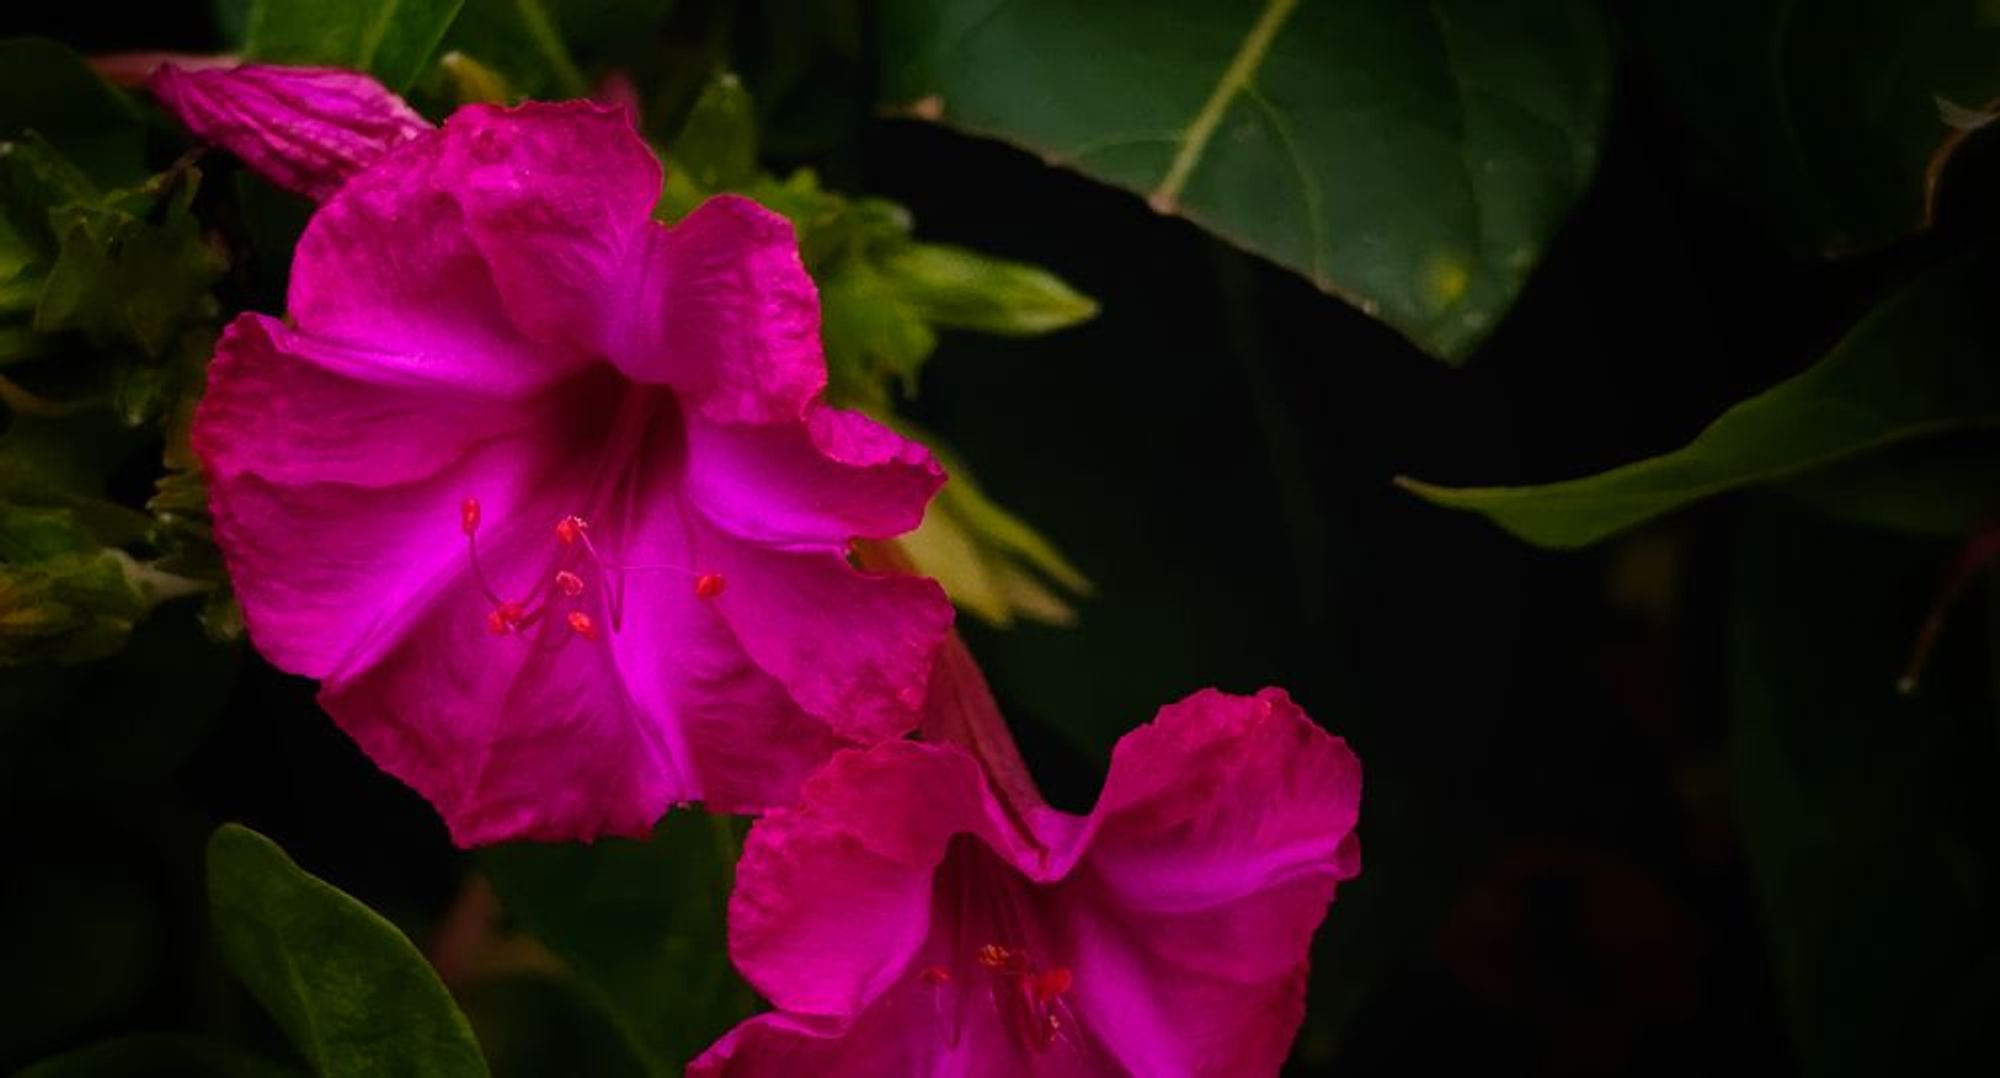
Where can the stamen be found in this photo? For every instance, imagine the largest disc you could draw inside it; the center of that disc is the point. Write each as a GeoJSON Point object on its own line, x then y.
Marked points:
{"type": "Point", "coordinates": [570, 584]}
{"type": "Point", "coordinates": [468, 522]}
{"type": "Point", "coordinates": [570, 529]}
{"type": "Point", "coordinates": [505, 618]}
{"type": "Point", "coordinates": [936, 975]}
{"type": "Point", "coordinates": [1004, 959]}
{"type": "Point", "coordinates": [1051, 984]}
{"type": "Point", "coordinates": [709, 585]}
{"type": "Point", "coordinates": [581, 624]}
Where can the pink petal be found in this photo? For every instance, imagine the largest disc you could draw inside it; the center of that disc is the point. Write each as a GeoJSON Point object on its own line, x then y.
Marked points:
{"type": "Point", "coordinates": [306, 129]}
{"type": "Point", "coordinates": [336, 483]}
{"type": "Point", "coordinates": [556, 197]}
{"type": "Point", "coordinates": [899, 1036]}
{"type": "Point", "coordinates": [748, 744]}
{"type": "Point", "coordinates": [394, 263]}
{"type": "Point", "coordinates": [1224, 796]}
{"type": "Point", "coordinates": [854, 649]}
{"type": "Point", "coordinates": [519, 736]}
{"type": "Point", "coordinates": [833, 899]}
{"type": "Point", "coordinates": [720, 307]}
{"type": "Point", "coordinates": [836, 477]}
{"type": "Point", "coordinates": [1182, 907]}
{"type": "Point", "coordinates": [1222, 831]}
{"type": "Point", "coordinates": [294, 410]}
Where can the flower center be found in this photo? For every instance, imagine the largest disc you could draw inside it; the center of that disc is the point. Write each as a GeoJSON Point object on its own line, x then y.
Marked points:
{"type": "Point", "coordinates": [578, 570]}
{"type": "Point", "coordinates": [1029, 998]}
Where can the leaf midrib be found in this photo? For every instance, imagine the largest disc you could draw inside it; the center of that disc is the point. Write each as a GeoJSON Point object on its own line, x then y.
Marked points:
{"type": "Point", "coordinates": [1242, 66]}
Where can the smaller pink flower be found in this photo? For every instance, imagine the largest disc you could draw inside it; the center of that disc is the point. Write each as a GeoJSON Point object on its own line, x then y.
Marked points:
{"type": "Point", "coordinates": [908, 919]}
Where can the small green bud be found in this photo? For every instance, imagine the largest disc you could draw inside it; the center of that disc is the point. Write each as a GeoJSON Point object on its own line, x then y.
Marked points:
{"type": "Point", "coordinates": [963, 289]}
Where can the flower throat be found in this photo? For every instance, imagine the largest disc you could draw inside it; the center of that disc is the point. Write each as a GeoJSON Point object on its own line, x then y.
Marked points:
{"type": "Point", "coordinates": [564, 592]}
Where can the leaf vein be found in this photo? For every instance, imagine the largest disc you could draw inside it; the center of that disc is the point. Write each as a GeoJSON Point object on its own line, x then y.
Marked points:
{"type": "Point", "coordinates": [1249, 56]}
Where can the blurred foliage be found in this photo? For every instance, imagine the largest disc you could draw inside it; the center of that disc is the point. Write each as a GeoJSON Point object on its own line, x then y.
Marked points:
{"type": "Point", "coordinates": [1871, 818]}
{"type": "Point", "coordinates": [639, 927]}
{"type": "Point", "coordinates": [106, 321]}
{"type": "Point", "coordinates": [163, 1055]}
{"type": "Point", "coordinates": [390, 39]}
{"type": "Point", "coordinates": [1828, 111]}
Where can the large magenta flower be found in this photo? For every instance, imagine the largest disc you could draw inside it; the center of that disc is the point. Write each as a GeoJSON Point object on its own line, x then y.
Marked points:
{"type": "Point", "coordinates": [543, 491]}
{"type": "Point", "coordinates": [910, 918]}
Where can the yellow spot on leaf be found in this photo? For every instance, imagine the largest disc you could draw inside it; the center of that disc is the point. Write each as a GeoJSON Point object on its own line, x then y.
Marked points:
{"type": "Point", "coordinates": [1446, 278]}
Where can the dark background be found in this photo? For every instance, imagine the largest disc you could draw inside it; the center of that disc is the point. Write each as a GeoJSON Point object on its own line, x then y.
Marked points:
{"type": "Point", "coordinates": [1556, 875]}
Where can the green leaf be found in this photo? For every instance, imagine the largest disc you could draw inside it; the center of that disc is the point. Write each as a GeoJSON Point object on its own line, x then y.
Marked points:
{"type": "Point", "coordinates": [132, 267]}
{"type": "Point", "coordinates": [1920, 364]}
{"type": "Point", "coordinates": [1414, 159]}
{"type": "Point", "coordinates": [1828, 110]}
{"type": "Point", "coordinates": [48, 89]}
{"type": "Point", "coordinates": [874, 337]}
{"type": "Point", "coordinates": [391, 39]}
{"type": "Point", "coordinates": [349, 990]}
{"type": "Point", "coordinates": [156, 1055]}
{"type": "Point", "coordinates": [717, 142]}
{"type": "Point", "coordinates": [35, 178]}
{"type": "Point", "coordinates": [640, 924]}
{"type": "Point", "coordinates": [1869, 819]}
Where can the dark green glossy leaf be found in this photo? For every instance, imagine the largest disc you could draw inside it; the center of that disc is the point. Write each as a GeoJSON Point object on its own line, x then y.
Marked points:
{"type": "Point", "coordinates": [156, 1055]}
{"type": "Point", "coordinates": [349, 989]}
{"type": "Point", "coordinates": [1870, 819]}
{"type": "Point", "coordinates": [640, 924]}
{"type": "Point", "coordinates": [1415, 159]}
{"type": "Point", "coordinates": [391, 39]}
{"type": "Point", "coordinates": [48, 89]}
{"type": "Point", "coordinates": [1920, 364]}
{"type": "Point", "coordinates": [1827, 112]}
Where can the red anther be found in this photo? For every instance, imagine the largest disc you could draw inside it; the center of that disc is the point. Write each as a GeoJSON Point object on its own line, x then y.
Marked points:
{"type": "Point", "coordinates": [1005, 959]}
{"type": "Point", "coordinates": [936, 975]}
{"type": "Point", "coordinates": [1052, 983]}
{"type": "Point", "coordinates": [468, 515]}
{"type": "Point", "coordinates": [709, 585]}
{"type": "Point", "coordinates": [581, 625]}
{"type": "Point", "coordinates": [570, 583]}
{"type": "Point", "coordinates": [571, 528]}
{"type": "Point", "coordinates": [504, 618]}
